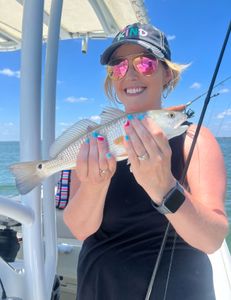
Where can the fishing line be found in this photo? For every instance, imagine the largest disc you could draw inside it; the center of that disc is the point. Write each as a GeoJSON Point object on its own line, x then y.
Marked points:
{"type": "Point", "coordinates": [182, 180]}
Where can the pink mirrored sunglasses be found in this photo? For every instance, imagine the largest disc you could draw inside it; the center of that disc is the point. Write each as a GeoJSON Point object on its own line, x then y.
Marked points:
{"type": "Point", "coordinates": [143, 63]}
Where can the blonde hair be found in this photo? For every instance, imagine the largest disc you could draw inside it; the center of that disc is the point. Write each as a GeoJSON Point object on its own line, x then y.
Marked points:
{"type": "Point", "coordinates": [175, 68]}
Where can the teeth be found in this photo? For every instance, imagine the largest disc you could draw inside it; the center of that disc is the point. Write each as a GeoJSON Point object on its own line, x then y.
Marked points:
{"type": "Point", "coordinates": [134, 90]}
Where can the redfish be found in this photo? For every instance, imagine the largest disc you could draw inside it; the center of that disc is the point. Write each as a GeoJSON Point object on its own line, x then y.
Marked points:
{"type": "Point", "coordinates": [65, 149]}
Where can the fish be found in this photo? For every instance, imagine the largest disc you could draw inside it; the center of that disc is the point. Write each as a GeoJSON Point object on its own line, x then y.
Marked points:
{"type": "Point", "coordinates": [64, 151]}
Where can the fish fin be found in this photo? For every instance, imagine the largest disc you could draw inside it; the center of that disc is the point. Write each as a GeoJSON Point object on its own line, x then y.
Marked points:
{"type": "Point", "coordinates": [71, 134]}
{"type": "Point", "coordinates": [28, 175]}
{"type": "Point", "coordinates": [111, 113]}
{"type": "Point", "coordinates": [180, 130]}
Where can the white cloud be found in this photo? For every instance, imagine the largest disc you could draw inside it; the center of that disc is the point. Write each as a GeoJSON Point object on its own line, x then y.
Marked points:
{"type": "Point", "coordinates": [223, 114]}
{"type": "Point", "coordinates": [95, 118]}
{"type": "Point", "coordinates": [195, 85]}
{"type": "Point", "coordinates": [171, 37]}
{"type": "Point", "coordinates": [10, 73]}
{"type": "Point", "coordinates": [73, 99]}
{"type": "Point", "coordinates": [224, 91]}
{"type": "Point", "coordinates": [8, 124]}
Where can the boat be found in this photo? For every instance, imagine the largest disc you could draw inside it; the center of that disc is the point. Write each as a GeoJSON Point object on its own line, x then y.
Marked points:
{"type": "Point", "coordinates": [45, 267]}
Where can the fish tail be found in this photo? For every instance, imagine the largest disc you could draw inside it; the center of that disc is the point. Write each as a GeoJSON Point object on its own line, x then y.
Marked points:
{"type": "Point", "coordinates": [28, 175]}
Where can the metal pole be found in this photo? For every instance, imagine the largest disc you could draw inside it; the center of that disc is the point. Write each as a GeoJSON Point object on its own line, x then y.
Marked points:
{"type": "Point", "coordinates": [50, 235]}
{"type": "Point", "coordinates": [16, 211]}
{"type": "Point", "coordinates": [30, 114]}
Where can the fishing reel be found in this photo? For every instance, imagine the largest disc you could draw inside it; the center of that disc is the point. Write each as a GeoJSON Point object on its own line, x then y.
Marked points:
{"type": "Point", "coordinates": [190, 113]}
{"type": "Point", "coordinates": [9, 242]}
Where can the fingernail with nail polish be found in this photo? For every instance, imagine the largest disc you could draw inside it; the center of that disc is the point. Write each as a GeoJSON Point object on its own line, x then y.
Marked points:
{"type": "Point", "coordinates": [126, 137]}
{"type": "Point", "coordinates": [100, 138]}
{"type": "Point", "coordinates": [127, 123]}
{"type": "Point", "coordinates": [130, 117]}
{"type": "Point", "coordinates": [108, 155]}
{"type": "Point", "coordinates": [140, 117]}
{"type": "Point", "coordinates": [94, 134]}
{"type": "Point", "coordinates": [87, 141]}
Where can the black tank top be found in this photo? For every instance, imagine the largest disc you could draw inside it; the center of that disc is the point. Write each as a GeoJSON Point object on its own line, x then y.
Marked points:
{"type": "Point", "coordinates": [116, 262]}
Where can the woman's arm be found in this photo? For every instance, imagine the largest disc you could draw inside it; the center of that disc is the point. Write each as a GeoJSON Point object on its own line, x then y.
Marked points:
{"type": "Point", "coordinates": [201, 220]}
{"type": "Point", "coordinates": [84, 212]}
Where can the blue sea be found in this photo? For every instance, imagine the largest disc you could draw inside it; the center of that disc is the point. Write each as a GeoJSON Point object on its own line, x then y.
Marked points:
{"type": "Point", "coordinates": [9, 153]}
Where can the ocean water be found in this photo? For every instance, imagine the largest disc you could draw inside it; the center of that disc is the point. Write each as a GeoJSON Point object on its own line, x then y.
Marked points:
{"type": "Point", "coordinates": [9, 153]}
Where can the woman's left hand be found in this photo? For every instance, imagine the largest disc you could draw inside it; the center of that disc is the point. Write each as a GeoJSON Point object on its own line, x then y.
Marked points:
{"type": "Point", "coordinates": [150, 156]}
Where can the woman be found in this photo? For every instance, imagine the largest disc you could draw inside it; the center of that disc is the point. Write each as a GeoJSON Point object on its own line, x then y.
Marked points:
{"type": "Point", "coordinates": [121, 212]}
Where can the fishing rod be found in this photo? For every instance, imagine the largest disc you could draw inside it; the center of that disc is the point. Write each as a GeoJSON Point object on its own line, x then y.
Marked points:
{"type": "Point", "coordinates": [219, 83]}
{"type": "Point", "coordinates": [182, 107]}
{"type": "Point", "coordinates": [182, 180]}
{"type": "Point", "coordinates": [206, 102]}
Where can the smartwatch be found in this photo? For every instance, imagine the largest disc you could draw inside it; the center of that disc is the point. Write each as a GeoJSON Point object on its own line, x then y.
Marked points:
{"type": "Point", "coordinates": [172, 201]}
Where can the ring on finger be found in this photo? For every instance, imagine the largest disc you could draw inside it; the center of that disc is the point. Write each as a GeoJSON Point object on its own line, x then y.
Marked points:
{"type": "Point", "coordinates": [102, 171]}
{"type": "Point", "coordinates": [145, 156]}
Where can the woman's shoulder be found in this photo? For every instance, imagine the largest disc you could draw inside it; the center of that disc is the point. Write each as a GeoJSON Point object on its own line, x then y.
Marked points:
{"type": "Point", "coordinates": [207, 153]}
{"type": "Point", "coordinates": [205, 139]}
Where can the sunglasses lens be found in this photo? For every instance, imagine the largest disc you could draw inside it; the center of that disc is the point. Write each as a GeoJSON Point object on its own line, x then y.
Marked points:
{"type": "Point", "coordinates": [145, 65]}
{"type": "Point", "coordinates": [118, 70]}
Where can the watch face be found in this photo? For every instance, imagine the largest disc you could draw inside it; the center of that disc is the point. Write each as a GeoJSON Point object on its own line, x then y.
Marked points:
{"type": "Point", "coordinates": [174, 200]}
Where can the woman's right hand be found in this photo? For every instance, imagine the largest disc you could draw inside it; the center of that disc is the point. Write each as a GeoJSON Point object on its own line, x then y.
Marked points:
{"type": "Point", "coordinates": [95, 168]}
{"type": "Point", "coordinates": [95, 164]}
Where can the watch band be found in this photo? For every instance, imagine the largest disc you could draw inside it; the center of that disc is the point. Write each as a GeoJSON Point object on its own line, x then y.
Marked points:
{"type": "Point", "coordinates": [172, 201]}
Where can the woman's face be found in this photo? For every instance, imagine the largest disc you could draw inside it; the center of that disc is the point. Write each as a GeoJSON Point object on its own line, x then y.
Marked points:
{"type": "Point", "coordinates": [136, 91]}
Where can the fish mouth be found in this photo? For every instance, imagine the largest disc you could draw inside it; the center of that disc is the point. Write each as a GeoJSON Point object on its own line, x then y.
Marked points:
{"type": "Point", "coordinates": [180, 122]}
{"type": "Point", "coordinates": [134, 91]}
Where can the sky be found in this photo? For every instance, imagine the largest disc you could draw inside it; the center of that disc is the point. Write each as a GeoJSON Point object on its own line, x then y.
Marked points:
{"type": "Point", "coordinates": [195, 31]}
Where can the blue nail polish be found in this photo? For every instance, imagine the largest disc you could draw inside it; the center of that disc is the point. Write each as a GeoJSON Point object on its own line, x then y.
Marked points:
{"type": "Point", "coordinates": [127, 138]}
{"type": "Point", "coordinates": [87, 141]}
{"type": "Point", "coordinates": [130, 117]}
{"type": "Point", "coordinates": [108, 155]}
{"type": "Point", "coordinates": [140, 117]}
{"type": "Point", "coordinates": [94, 134]}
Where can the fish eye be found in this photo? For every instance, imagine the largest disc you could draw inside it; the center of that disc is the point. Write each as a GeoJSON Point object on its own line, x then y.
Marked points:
{"type": "Point", "coordinates": [40, 166]}
{"type": "Point", "coordinates": [171, 115]}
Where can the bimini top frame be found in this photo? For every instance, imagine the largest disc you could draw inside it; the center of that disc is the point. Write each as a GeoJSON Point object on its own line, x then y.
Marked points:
{"type": "Point", "coordinates": [80, 18]}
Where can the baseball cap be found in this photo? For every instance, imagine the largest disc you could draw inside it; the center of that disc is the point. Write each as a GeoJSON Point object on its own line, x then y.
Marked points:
{"type": "Point", "coordinates": [145, 35]}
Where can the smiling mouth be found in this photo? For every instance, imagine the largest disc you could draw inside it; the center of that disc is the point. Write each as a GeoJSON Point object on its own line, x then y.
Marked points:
{"type": "Point", "coordinates": [134, 91]}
